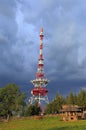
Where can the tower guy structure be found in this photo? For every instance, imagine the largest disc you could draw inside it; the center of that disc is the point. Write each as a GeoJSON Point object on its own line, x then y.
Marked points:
{"type": "Point", "coordinates": [39, 92]}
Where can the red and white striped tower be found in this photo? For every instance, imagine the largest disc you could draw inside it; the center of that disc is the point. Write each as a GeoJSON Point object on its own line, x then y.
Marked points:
{"type": "Point", "coordinates": [39, 92]}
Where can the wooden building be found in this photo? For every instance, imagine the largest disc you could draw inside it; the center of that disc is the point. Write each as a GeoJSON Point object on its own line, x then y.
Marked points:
{"type": "Point", "coordinates": [71, 112]}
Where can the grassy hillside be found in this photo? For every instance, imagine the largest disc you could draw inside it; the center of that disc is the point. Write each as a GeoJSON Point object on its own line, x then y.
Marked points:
{"type": "Point", "coordinates": [47, 123]}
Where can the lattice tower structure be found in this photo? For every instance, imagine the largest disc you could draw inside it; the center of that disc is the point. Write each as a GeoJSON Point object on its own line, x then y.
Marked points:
{"type": "Point", "coordinates": [39, 92]}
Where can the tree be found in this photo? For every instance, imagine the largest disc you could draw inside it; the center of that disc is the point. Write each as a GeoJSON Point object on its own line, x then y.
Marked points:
{"type": "Point", "coordinates": [81, 101]}
{"type": "Point", "coordinates": [70, 99]}
{"type": "Point", "coordinates": [48, 108]}
{"type": "Point", "coordinates": [11, 100]}
{"type": "Point", "coordinates": [33, 110]}
{"type": "Point", "coordinates": [58, 102]}
{"type": "Point", "coordinates": [55, 105]}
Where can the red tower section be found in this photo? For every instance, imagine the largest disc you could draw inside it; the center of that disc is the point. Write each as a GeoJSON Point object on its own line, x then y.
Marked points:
{"type": "Point", "coordinates": [39, 92]}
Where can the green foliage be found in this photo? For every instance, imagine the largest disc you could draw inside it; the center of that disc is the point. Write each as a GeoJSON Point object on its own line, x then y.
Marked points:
{"type": "Point", "coordinates": [11, 100]}
{"type": "Point", "coordinates": [70, 99]}
{"type": "Point", "coordinates": [55, 105]}
{"type": "Point", "coordinates": [49, 108]}
{"type": "Point", "coordinates": [32, 110]}
{"type": "Point", "coordinates": [81, 98]}
{"type": "Point", "coordinates": [77, 99]}
{"type": "Point", "coordinates": [73, 98]}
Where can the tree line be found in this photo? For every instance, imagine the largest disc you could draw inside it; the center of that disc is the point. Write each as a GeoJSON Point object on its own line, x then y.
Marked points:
{"type": "Point", "coordinates": [13, 102]}
{"type": "Point", "coordinates": [75, 99]}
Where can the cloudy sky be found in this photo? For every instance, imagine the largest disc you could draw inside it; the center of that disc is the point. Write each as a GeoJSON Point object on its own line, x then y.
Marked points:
{"type": "Point", "coordinates": [64, 24]}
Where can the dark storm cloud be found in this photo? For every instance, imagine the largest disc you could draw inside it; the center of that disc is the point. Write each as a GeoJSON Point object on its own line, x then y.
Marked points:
{"type": "Point", "coordinates": [10, 60]}
{"type": "Point", "coordinates": [64, 42]}
{"type": "Point", "coordinates": [67, 42]}
{"type": "Point", "coordinates": [15, 64]}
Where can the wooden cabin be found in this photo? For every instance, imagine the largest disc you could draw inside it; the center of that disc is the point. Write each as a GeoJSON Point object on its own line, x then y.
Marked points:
{"type": "Point", "coordinates": [71, 112]}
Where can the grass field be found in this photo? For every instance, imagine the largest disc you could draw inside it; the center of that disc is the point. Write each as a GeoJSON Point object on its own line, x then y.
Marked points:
{"type": "Point", "coordinates": [47, 123]}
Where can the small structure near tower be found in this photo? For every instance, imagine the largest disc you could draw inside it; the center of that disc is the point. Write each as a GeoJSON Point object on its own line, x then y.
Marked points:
{"type": "Point", "coordinates": [71, 112]}
{"type": "Point", "coordinates": [39, 92]}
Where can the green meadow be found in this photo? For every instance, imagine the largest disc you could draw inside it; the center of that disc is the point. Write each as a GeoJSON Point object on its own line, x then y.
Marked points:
{"type": "Point", "coordinates": [47, 123]}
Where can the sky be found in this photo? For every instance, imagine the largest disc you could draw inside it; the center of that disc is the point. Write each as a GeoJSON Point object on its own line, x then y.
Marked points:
{"type": "Point", "coordinates": [64, 25]}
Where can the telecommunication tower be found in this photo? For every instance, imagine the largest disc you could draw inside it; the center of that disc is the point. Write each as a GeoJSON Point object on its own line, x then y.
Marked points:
{"type": "Point", "coordinates": [39, 92]}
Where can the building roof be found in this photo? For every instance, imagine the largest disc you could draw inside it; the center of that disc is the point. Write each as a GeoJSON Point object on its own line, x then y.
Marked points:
{"type": "Point", "coordinates": [70, 108]}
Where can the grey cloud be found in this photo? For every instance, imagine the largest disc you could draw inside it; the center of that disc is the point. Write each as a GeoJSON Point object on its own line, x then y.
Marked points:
{"type": "Point", "coordinates": [64, 42]}
{"type": "Point", "coordinates": [7, 8]}
{"type": "Point", "coordinates": [8, 30]}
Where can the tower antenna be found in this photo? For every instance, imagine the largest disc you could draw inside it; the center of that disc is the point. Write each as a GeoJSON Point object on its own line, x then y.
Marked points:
{"type": "Point", "coordinates": [39, 92]}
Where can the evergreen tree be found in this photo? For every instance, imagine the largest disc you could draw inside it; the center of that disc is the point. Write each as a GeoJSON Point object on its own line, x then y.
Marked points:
{"type": "Point", "coordinates": [70, 99]}
{"type": "Point", "coordinates": [81, 101]}
{"type": "Point", "coordinates": [32, 110]}
{"type": "Point", "coordinates": [49, 108]}
{"type": "Point", "coordinates": [55, 105]}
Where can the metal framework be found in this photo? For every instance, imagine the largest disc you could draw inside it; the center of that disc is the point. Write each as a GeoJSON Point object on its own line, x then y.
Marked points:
{"type": "Point", "coordinates": [39, 92]}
